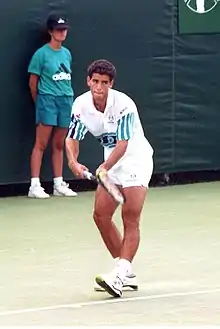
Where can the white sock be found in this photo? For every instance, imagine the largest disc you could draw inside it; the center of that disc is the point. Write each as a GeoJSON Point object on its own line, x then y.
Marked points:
{"type": "Point", "coordinates": [130, 271]}
{"type": "Point", "coordinates": [58, 180]}
{"type": "Point", "coordinates": [124, 267]}
{"type": "Point", "coordinates": [35, 181]}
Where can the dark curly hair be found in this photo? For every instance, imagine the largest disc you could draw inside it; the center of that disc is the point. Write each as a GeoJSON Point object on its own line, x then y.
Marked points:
{"type": "Point", "coordinates": [102, 67]}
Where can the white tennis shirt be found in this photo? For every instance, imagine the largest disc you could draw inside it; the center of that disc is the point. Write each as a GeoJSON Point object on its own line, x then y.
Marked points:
{"type": "Point", "coordinates": [120, 121]}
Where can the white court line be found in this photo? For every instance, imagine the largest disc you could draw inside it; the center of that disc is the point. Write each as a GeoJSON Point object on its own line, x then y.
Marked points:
{"type": "Point", "coordinates": [111, 301]}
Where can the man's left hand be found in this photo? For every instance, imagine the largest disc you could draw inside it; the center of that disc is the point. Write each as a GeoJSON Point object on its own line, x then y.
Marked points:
{"type": "Point", "coordinates": [101, 168]}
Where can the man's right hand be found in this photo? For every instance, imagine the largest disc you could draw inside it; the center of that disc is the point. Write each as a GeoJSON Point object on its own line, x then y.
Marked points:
{"type": "Point", "coordinates": [77, 169]}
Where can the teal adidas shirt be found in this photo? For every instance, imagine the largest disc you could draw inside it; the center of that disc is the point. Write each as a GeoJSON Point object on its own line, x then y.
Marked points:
{"type": "Point", "coordinates": [54, 69]}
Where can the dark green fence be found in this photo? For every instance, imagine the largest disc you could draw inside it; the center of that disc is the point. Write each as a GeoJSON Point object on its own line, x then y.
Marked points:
{"type": "Point", "coordinates": [174, 79]}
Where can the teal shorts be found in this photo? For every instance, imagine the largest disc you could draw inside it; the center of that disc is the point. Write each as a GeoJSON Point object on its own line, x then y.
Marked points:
{"type": "Point", "coordinates": [54, 110]}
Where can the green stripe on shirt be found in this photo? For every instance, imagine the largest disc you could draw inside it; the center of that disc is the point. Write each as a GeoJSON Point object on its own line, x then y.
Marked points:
{"type": "Point", "coordinates": [125, 127]}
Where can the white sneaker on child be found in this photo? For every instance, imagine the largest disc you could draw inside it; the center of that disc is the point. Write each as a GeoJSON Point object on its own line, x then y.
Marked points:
{"type": "Point", "coordinates": [37, 191]}
{"type": "Point", "coordinates": [63, 190]}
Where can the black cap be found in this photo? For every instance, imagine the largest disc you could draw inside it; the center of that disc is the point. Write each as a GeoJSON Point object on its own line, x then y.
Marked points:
{"type": "Point", "coordinates": [56, 22]}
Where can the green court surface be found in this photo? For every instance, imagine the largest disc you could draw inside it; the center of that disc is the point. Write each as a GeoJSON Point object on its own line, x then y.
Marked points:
{"type": "Point", "coordinates": [50, 251]}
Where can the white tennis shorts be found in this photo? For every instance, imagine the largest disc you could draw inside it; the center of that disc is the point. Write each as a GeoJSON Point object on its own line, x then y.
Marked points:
{"type": "Point", "coordinates": [133, 174]}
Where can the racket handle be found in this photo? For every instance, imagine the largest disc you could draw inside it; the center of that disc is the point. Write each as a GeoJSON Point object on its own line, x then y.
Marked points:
{"type": "Point", "coordinates": [87, 175]}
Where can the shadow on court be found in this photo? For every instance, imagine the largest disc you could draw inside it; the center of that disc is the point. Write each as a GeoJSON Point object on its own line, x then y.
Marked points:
{"type": "Point", "coordinates": [50, 252]}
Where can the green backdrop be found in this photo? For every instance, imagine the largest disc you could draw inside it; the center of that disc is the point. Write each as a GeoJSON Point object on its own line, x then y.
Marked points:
{"type": "Point", "coordinates": [174, 79]}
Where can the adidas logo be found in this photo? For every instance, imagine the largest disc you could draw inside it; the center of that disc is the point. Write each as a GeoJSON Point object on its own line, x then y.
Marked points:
{"type": "Point", "coordinates": [59, 76]}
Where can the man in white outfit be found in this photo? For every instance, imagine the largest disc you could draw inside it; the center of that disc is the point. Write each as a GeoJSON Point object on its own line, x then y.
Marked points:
{"type": "Point", "coordinates": [112, 117]}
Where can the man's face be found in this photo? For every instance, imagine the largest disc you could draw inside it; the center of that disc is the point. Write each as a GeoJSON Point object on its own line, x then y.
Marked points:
{"type": "Point", "coordinates": [59, 35]}
{"type": "Point", "coordinates": [99, 85]}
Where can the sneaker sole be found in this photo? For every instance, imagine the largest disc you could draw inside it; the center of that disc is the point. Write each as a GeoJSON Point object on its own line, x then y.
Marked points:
{"type": "Point", "coordinates": [35, 197]}
{"type": "Point", "coordinates": [126, 287]}
{"type": "Point", "coordinates": [99, 280]}
{"type": "Point", "coordinates": [64, 195]}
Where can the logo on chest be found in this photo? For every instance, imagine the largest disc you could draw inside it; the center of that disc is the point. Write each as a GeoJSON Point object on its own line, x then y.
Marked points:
{"type": "Point", "coordinates": [63, 73]}
{"type": "Point", "coordinates": [111, 118]}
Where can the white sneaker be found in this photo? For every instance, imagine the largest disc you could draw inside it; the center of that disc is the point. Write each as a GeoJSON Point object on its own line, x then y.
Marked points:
{"type": "Point", "coordinates": [130, 283]}
{"type": "Point", "coordinates": [37, 191]}
{"type": "Point", "coordinates": [63, 190]}
{"type": "Point", "coordinates": [112, 283]}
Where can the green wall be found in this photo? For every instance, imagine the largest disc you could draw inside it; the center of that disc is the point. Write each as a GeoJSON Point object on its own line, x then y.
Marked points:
{"type": "Point", "coordinates": [174, 79]}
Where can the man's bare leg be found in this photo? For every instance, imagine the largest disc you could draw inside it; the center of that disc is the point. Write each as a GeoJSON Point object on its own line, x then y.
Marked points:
{"type": "Point", "coordinates": [104, 209]}
{"type": "Point", "coordinates": [131, 212]}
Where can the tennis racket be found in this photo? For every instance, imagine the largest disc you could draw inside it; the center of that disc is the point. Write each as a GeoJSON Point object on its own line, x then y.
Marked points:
{"type": "Point", "coordinates": [103, 179]}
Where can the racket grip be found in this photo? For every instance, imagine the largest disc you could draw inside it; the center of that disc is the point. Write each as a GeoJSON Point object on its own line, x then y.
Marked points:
{"type": "Point", "coordinates": [87, 175]}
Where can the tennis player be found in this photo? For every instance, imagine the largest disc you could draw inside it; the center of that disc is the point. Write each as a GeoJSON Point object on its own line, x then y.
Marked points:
{"type": "Point", "coordinates": [112, 117]}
